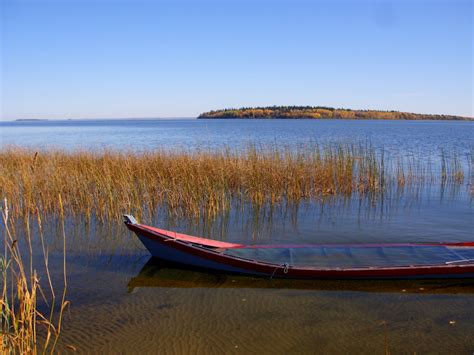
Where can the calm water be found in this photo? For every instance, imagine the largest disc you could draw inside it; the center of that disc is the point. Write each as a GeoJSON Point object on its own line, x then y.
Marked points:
{"type": "Point", "coordinates": [415, 137]}
{"type": "Point", "coordinates": [124, 302]}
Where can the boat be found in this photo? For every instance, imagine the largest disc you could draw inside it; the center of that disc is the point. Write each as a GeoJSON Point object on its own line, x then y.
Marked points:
{"type": "Point", "coordinates": [311, 261]}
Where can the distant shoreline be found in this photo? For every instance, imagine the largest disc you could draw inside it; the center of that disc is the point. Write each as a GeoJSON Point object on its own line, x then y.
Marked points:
{"type": "Point", "coordinates": [322, 112]}
{"type": "Point", "coordinates": [99, 119]}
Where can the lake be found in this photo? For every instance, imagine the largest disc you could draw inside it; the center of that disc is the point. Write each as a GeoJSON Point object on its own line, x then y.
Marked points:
{"type": "Point", "coordinates": [409, 137]}
{"type": "Point", "coordinates": [123, 301]}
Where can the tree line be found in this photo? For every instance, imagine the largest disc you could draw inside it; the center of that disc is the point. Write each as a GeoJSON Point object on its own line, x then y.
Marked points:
{"type": "Point", "coordinates": [321, 112]}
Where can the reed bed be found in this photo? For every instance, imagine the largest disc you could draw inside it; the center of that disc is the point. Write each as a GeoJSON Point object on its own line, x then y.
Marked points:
{"type": "Point", "coordinates": [23, 328]}
{"type": "Point", "coordinates": [201, 184]}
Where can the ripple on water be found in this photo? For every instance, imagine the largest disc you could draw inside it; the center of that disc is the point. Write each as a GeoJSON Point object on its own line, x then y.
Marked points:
{"type": "Point", "coordinates": [223, 320]}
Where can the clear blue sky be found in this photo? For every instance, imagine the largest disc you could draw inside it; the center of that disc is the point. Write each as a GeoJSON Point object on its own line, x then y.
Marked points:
{"type": "Point", "coordinates": [105, 58]}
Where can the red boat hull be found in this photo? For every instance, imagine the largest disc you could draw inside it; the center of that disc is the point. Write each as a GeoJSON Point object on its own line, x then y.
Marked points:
{"type": "Point", "coordinates": [208, 254]}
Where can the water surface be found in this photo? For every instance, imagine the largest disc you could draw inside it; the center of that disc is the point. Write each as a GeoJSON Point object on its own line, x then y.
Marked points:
{"type": "Point", "coordinates": [413, 137]}
{"type": "Point", "coordinates": [123, 301]}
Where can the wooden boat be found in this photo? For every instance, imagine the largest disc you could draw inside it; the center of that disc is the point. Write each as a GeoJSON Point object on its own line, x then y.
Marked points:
{"type": "Point", "coordinates": [314, 261]}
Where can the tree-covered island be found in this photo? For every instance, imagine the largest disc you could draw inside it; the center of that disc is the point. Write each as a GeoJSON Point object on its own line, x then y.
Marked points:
{"type": "Point", "coordinates": [322, 112]}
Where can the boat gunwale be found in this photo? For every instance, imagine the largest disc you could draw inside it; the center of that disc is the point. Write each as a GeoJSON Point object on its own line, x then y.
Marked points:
{"type": "Point", "coordinates": [216, 244]}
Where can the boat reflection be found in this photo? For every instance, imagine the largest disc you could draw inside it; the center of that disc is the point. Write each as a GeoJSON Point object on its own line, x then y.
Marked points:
{"type": "Point", "coordinates": [159, 273]}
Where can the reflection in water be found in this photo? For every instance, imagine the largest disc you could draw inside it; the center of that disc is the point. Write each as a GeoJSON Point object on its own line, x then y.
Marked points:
{"type": "Point", "coordinates": [159, 273]}
{"type": "Point", "coordinates": [369, 205]}
{"type": "Point", "coordinates": [418, 216]}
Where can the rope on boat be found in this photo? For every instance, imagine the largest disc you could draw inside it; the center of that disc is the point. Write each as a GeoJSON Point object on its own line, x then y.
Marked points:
{"type": "Point", "coordinates": [285, 267]}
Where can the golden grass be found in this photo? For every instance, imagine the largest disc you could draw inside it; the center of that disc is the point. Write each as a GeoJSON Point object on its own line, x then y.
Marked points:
{"type": "Point", "coordinates": [20, 318]}
{"type": "Point", "coordinates": [198, 184]}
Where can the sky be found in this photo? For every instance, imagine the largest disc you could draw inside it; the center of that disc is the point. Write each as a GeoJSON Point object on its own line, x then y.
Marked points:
{"type": "Point", "coordinates": [67, 59]}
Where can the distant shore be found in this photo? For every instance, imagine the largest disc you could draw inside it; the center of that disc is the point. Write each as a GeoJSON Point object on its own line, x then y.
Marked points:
{"type": "Point", "coordinates": [30, 119]}
{"type": "Point", "coordinates": [322, 112]}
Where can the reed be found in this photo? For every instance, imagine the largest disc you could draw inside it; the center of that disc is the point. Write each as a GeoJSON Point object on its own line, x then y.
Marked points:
{"type": "Point", "coordinates": [203, 183]}
{"type": "Point", "coordinates": [24, 329]}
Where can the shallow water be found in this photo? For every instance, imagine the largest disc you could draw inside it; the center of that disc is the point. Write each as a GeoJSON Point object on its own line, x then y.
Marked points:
{"type": "Point", "coordinates": [125, 301]}
{"type": "Point", "coordinates": [121, 301]}
{"type": "Point", "coordinates": [169, 310]}
{"type": "Point", "coordinates": [208, 317]}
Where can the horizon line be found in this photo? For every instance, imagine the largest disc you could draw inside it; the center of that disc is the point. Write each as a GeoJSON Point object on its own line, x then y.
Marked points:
{"type": "Point", "coordinates": [99, 118]}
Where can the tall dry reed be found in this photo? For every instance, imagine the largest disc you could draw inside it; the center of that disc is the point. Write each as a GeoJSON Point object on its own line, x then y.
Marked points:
{"type": "Point", "coordinates": [198, 184]}
{"type": "Point", "coordinates": [21, 321]}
